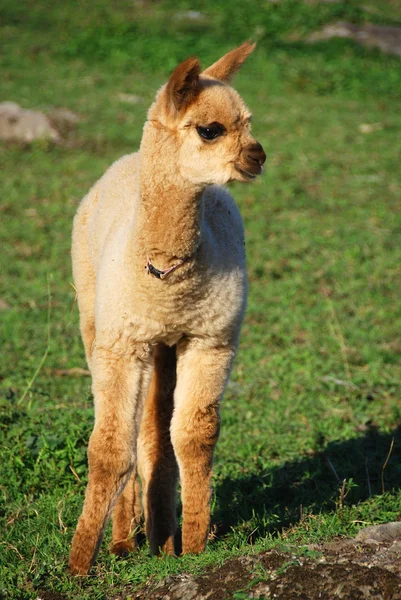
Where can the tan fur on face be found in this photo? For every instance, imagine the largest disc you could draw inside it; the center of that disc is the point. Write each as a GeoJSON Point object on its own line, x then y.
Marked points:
{"type": "Point", "coordinates": [214, 161]}
{"type": "Point", "coordinates": [161, 209]}
{"type": "Point", "coordinates": [210, 100]}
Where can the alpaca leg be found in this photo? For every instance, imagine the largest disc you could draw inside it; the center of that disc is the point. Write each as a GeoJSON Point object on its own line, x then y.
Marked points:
{"type": "Point", "coordinates": [156, 461]}
{"type": "Point", "coordinates": [126, 517]}
{"type": "Point", "coordinates": [118, 381]}
{"type": "Point", "coordinates": [201, 377]}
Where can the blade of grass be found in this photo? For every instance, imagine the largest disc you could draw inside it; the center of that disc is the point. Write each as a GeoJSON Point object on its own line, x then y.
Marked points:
{"type": "Point", "coordinates": [45, 354]}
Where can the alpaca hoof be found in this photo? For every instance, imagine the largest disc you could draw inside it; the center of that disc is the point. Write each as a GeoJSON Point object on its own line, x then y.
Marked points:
{"type": "Point", "coordinates": [123, 549]}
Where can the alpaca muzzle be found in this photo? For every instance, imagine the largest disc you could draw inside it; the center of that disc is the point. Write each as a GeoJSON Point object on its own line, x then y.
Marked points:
{"type": "Point", "coordinates": [253, 157]}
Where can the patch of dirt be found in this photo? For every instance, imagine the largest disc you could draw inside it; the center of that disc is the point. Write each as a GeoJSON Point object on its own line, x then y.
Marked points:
{"type": "Point", "coordinates": [367, 567]}
{"type": "Point", "coordinates": [345, 569]}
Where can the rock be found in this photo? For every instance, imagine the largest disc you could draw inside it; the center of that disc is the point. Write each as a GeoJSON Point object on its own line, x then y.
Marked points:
{"type": "Point", "coordinates": [185, 590]}
{"type": "Point", "coordinates": [395, 548]}
{"type": "Point", "coordinates": [380, 533]}
{"type": "Point", "coordinates": [388, 39]}
{"type": "Point", "coordinates": [19, 124]}
{"type": "Point", "coordinates": [180, 587]}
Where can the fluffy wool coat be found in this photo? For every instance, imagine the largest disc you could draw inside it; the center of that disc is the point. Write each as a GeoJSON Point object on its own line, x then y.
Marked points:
{"type": "Point", "coordinates": [159, 268]}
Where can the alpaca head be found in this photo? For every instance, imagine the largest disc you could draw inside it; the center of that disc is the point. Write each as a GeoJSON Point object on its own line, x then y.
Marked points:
{"type": "Point", "coordinates": [208, 123]}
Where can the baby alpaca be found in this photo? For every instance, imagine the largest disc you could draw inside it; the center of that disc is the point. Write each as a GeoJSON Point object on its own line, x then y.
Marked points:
{"type": "Point", "coordinates": [159, 268]}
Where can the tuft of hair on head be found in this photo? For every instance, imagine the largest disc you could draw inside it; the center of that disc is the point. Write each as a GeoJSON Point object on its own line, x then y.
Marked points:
{"type": "Point", "coordinates": [183, 85]}
{"type": "Point", "coordinates": [226, 67]}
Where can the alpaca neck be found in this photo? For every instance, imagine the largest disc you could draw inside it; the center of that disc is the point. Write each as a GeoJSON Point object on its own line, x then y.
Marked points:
{"type": "Point", "coordinates": [170, 213]}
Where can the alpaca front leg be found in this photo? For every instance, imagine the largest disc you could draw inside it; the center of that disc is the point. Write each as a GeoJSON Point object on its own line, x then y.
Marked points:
{"type": "Point", "coordinates": [201, 377]}
{"type": "Point", "coordinates": [117, 388]}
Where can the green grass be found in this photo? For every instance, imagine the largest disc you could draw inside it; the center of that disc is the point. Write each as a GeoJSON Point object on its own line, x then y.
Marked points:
{"type": "Point", "coordinates": [314, 398]}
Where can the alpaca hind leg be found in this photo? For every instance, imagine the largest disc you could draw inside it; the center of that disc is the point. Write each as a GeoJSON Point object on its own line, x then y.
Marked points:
{"type": "Point", "coordinates": [126, 517]}
{"type": "Point", "coordinates": [201, 377]}
{"type": "Point", "coordinates": [118, 383]}
{"type": "Point", "coordinates": [156, 460]}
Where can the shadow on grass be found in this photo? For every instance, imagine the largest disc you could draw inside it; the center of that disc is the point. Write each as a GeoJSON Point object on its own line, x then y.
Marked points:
{"type": "Point", "coordinates": [277, 498]}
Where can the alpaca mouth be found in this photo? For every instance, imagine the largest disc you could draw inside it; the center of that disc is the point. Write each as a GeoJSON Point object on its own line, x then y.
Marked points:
{"type": "Point", "coordinates": [246, 173]}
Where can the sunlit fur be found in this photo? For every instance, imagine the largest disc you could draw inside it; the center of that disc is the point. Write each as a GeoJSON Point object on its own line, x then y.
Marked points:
{"type": "Point", "coordinates": [170, 341]}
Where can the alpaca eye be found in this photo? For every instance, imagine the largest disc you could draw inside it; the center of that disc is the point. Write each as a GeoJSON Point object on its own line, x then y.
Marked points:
{"type": "Point", "coordinates": [210, 132]}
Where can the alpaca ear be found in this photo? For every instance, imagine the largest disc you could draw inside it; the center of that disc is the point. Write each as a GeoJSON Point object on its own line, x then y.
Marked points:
{"type": "Point", "coordinates": [182, 87]}
{"type": "Point", "coordinates": [230, 63]}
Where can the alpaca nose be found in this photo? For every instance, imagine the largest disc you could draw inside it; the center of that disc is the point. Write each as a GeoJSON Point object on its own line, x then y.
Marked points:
{"type": "Point", "coordinates": [255, 153]}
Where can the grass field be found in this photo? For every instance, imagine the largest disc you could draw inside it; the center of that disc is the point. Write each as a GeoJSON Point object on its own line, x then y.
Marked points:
{"type": "Point", "coordinates": [306, 451]}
